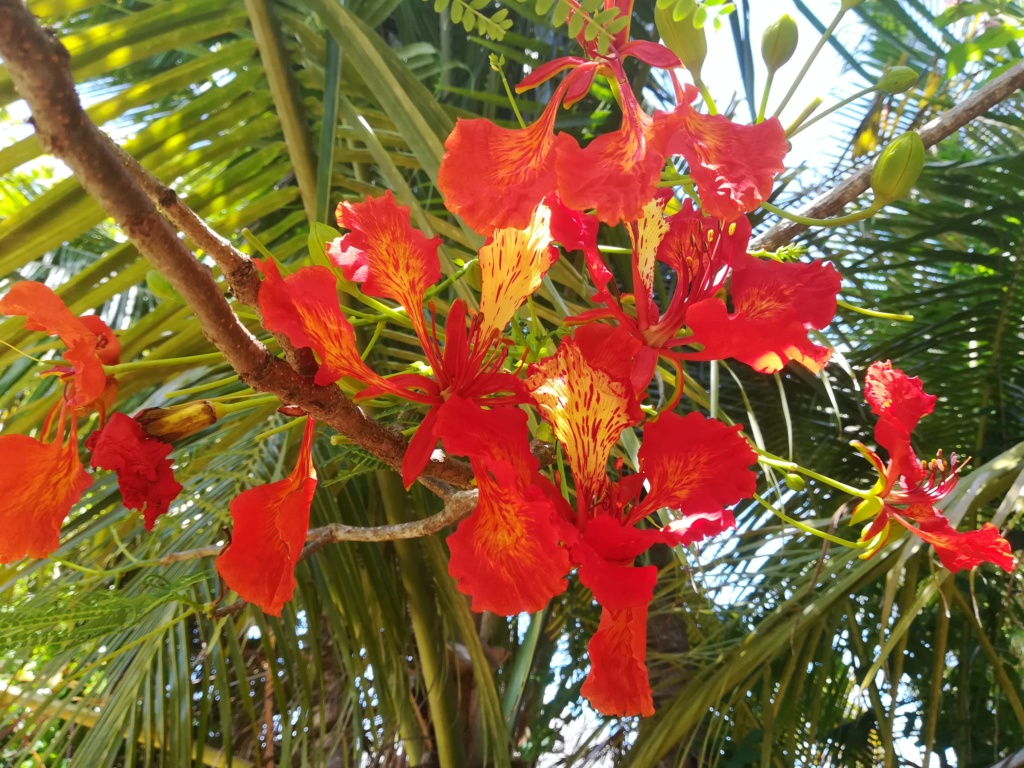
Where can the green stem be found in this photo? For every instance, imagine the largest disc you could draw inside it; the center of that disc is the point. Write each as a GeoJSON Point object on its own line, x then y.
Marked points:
{"type": "Point", "coordinates": [839, 221]}
{"type": "Point", "coordinates": [373, 340]}
{"type": "Point", "coordinates": [168, 362]}
{"type": "Point", "coordinates": [808, 111]}
{"type": "Point", "coordinates": [706, 95]}
{"type": "Point", "coordinates": [833, 108]}
{"type": "Point", "coordinates": [875, 312]}
{"type": "Point", "coordinates": [521, 670]}
{"type": "Point", "coordinates": [201, 387]}
{"type": "Point", "coordinates": [810, 59]}
{"type": "Point", "coordinates": [252, 402]}
{"type": "Point", "coordinates": [806, 528]}
{"type": "Point", "coordinates": [255, 243]}
{"type": "Point", "coordinates": [764, 96]}
{"type": "Point", "coordinates": [508, 90]}
{"type": "Point", "coordinates": [790, 466]}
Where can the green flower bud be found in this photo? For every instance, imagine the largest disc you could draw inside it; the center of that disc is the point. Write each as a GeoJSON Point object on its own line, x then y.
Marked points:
{"type": "Point", "coordinates": [779, 42]}
{"type": "Point", "coordinates": [178, 421]}
{"type": "Point", "coordinates": [867, 510]}
{"type": "Point", "coordinates": [897, 80]}
{"type": "Point", "coordinates": [683, 39]}
{"type": "Point", "coordinates": [897, 168]}
{"type": "Point", "coordinates": [795, 482]}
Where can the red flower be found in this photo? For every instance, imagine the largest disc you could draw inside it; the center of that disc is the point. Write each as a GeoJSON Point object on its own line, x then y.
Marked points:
{"type": "Point", "coordinates": [734, 166]}
{"type": "Point", "coordinates": [90, 342]}
{"type": "Point", "coordinates": [270, 525]}
{"type": "Point", "coordinates": [694, 465]}
{"type": "Point", "coordinates": [775, 303]}
{"type": "Point", "coordinates": [506, 555]}
{"type": "Point", "coordinates": [142, 465]}
{"type": "Point", "coordinates": [908, 490]}
{"type": "Point", "coordinates": [39, 484]}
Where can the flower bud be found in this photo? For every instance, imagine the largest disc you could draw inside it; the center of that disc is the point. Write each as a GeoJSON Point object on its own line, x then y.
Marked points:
{"type": "Point", "coordinates": [867, 510]}
{"type": "Point", "coordinates": [897, 168]}
{"type": "Point", "coordinates": [795, 482]}
{"type": "Point", "coordinates": [779, 43]}
{"type": "Point", "coordinates": [897, 80]}
{"type": "Point", "coordinates": [178, 421]}
{"type": "Point", "coordinates": [686, 41]}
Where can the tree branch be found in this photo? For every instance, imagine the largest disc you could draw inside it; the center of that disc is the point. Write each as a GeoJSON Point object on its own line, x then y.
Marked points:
{"type": "Point", "coordinates": [39, 68]}
{"type": "Point", "coordinates": [457, 506]}
{"type": "Point", "coordinates": [946, 124]}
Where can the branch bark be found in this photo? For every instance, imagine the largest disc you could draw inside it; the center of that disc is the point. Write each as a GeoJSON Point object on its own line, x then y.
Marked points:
{"type": "Point", "coordinates": [39, 68]}
{"type": "Point", "coordinates": [946, 124]}
{"type": "Point", "coordinates": [457, 506]}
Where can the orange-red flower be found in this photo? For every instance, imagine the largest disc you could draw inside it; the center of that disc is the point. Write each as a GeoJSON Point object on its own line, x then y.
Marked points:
{"type": "Point", "coordinates": [90, 342]}
{"type": "Point", "coordinates": [270, 525]}
{"type": "Point", "coordinates": [141, 463]}
{"type": "Point", "coordinates": [39, 484]}
{"type": "Point", "coordinates": [506, 555]}
{"type": "Point", "coordinates": [693, 465]}
{"type": "Point", "coordinates": [908, 489]}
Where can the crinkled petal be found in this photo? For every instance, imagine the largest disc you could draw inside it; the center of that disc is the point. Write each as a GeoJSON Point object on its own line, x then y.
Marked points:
{"type": "Point", "coordinates": [957, 551]}
{"type": "Point", "coordinates": [587, 409]}
{"type": "Point", "coordinates": [142, 465]}
{"type": "Point", "coordinates": [494, 177]}
{"type": "Point", "coordinates": [512, 265]}
{"type": "Point", "coordinates": [108, 348]}
{"type": "Point", "coordinates": [45, 311]}
{"type": "Point", "coordinates": [305, 308]}
{"type": "Point", "coordinates": [385, 253]}
{"type": "Point", "coordinates": [655, 54]}
{"type": "Point", "coordinates": [697, 466]}
{"type": "Point", "coordinates": [900, 402]}
{"type": "Point", "coordinates": [647, 233]}
{"type": "Point", "coordinates": [775, 305]}
{"type": "Point", "coordinates": [734, 166]}
{"type": "Point", "coordinates": [270, 525]}
{"type": "Point", "coordinates": [618, 684]}
{"type": "Point", "coordinates": [507, 555]}
{"type": "Point", "coordinates": [39, 484]}
{"type": "Point", "coordinates": [420, 449]}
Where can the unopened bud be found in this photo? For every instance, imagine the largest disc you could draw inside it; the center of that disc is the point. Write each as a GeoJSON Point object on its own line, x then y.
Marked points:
{"type": "Point", "coordinates": [681, 37]}
{"type": "Point", "coordinates": [178, 421]}
{"type": "Point", "coordinates": [867, 510]}
{"type": "Point", "coordinates": [795, 482]}
{"type": "Point", "coordinates": [897, 80]}
{"type": "Point", "coordinates": [778, 44]}
{"type": "Point", "coordinates": [897, 168]}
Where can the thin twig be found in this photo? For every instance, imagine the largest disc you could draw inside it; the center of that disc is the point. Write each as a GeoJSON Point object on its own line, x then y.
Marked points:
{"type": "Point", "coordinates": [457, 506]}
{"type": "Point", "coordinates": [946, 124]}
{"type": "Point", "coordinates": [39, 67]}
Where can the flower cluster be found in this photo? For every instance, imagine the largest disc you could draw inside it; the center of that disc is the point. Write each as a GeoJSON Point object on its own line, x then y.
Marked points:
{"type": "Point", "coordinates": [536, 194]}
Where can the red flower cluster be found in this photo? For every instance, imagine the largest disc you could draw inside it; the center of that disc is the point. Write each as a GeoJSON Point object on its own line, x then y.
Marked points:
{"type": "Point", "coordinates": [908, 489]}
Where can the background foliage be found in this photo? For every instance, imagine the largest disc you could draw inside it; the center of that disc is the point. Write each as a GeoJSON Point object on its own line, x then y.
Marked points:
{"type": "Point", "coordinates": [759, 645]}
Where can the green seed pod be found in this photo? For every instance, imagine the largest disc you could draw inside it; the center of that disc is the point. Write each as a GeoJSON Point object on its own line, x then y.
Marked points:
{"type": "Point", "coordinates": [897, 80]}
{"type": "Point", "coordinates": [683, 39]}
{"type": "Point", "coordinates": [779, 42]}
{"type": "Point", "coordinates": [897, 168]}
{"type": "Point", "coordinates": [867, 510]}
{"type": "Point", "coordinates": [795, 482]}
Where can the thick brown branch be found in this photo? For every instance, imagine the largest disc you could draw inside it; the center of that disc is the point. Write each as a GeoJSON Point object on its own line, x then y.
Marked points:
{"type": "Point", "coordinates": [236, 267]}
{"type": "Point", "coordinates": [39, 67]}
{"type": "Point", "coordinates": [946, 124]}
{"type": "Point", "coordinates": [457, 506]}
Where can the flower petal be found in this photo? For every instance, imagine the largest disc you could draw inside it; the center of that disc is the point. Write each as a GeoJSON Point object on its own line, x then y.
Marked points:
{"type": "Point", "coordinates": [958, 551]}
{"type": "Point", "coordinates": [385, 253]}
{"type": "Point", "coordinates": [494, 177]}
{"type": "Point", "coordinates": [506, 555]}
{"type": "Point", "coordinates": [618, 684]}
{"type": "Point", "coordinates": [270, 525]}
{"type": "Point", "coordinates": [512, 265]}
{"type": "Point", "coordinates": [142, 465]}
{"type": "Point", "coordinates": [587, 408]}
{"type": "Point", "coordinates": [304, 307]}
{"type": "Point", "coordinates": [775, 305]}
{"type": "Point", "coordinates": [900, 402]}
{"type": "Point", "coordinates": [39, 484]}
{"type": "Point", "coordinates": [697, 466]}
{"type": "Point", "coordinates": [45, 311]}
{"type": "Point", "coordinates": [734, 166]}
